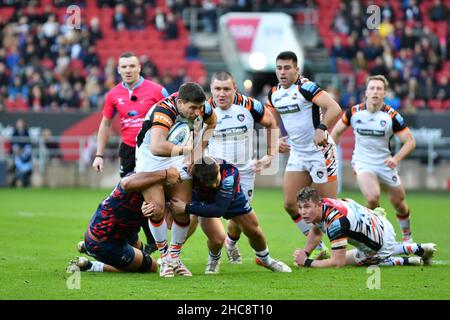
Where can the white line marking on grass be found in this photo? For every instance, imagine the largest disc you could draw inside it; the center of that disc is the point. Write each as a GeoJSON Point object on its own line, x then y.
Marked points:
{"type": "Point", "coordinates": [25, 214]}
{"type": "Point", "coordinates": [441, 262]}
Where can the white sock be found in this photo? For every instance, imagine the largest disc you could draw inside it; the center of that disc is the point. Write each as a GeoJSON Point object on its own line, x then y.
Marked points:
{"type": "Point", "coordinates": [405, 226]}
{"type": "Point", "coordinates": [159, 232]}
{"type": "Point", "coordinates": [264, 256]}
{"type": "Point", "coordinates": [179, 234]}
{"type": "Point", "coordinates": [302, 225]}
{"type": "Point", "coordinates": [97, 266]}
{"type": "Point", "coordinates": [407, 248]}
{"type": "Point", "coordinates": [394, 261]}
{"type": "Point", "coordinates": [215, 256]}
{"type": "Point", "coordinates": [230, 243]}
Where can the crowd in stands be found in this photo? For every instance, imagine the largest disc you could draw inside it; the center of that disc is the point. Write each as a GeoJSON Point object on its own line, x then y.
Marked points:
{"type": "Point", "coordinates": [410, 47]}
{"type": "Point", "coordinates": [46, 65]}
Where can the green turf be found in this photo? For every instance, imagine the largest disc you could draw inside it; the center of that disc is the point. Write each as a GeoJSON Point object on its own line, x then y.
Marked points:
{"type": "Point", "coordinates": [39, 229]}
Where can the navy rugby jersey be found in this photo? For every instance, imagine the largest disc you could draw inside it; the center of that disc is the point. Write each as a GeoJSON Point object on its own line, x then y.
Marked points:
{"type": "Point", "coordinates": [118, 216]}
{"type": "Point", "coordinates": [227, 199]}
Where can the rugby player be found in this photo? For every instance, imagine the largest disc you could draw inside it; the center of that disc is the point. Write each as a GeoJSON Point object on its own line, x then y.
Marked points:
{"type": "Point", "coordinates": [306, 111]}
{"type": "Point", "coordinates": [374, 124]}
{"type": "Point", "coordinates": [217, 193]}
{"type": "Point", "coordinates": [347, 222]}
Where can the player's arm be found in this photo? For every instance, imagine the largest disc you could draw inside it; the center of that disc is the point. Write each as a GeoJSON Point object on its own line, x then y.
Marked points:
{"type": "Point", "coordinates": [331, 113]}
{"type": "Point", "coordinates": [268, 121]}
{"type": "Point", "coordinates": [210, 125]}
{"type": "Point", "coordinates": [163, 148]}
{"type": "Point", "coordinates": [338, 130]}
{"type": "Point", "coordinates": [222, 202]}
{"type": "Point", "coordinates": [313, 239]}
{"type": "Point", "coordinates": [409, 144]}
{"type": "Point", "coordinates": [102, 139]}
{"type": "Point", "coordinates": [143, 180]}
{"type": "Point", "coordinates": [337, 260]}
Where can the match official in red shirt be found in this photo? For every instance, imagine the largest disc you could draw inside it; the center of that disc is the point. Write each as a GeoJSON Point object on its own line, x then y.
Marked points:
{"type": "Point", "coordinates": [131, 99]}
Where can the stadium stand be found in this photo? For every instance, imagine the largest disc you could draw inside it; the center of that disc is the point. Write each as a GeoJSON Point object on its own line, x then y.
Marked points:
{"type": "Point", "coordinates": [46, 65]}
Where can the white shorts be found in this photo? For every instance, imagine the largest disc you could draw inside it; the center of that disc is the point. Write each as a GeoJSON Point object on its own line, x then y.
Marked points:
{"type": "Point", "coordinates": [321, 169]}
{"type": "Point", "coordinates": [247, 183]}
{"type": "Point", "coordinates": [366, 257]}
{"type": "Point", "coordinates": [385, 174]}
{"type": "Point", "coordinates": [147, 162]}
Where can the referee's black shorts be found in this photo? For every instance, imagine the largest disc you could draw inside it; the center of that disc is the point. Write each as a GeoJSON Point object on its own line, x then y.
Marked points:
{"type": "Point", "coordinates": [127, 155]}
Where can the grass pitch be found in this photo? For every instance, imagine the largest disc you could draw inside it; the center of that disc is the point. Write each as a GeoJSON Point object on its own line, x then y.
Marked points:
{"type": "Point", "coordinates": [39, 230]}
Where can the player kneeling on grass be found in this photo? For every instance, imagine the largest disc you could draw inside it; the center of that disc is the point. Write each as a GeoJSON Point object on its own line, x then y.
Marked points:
{"type": "Point", "coordinates": [345, 221]}
{"type": "Point", "coordinates": [112, 235]}
{"type": "Point", "coordinates": [217, 193]}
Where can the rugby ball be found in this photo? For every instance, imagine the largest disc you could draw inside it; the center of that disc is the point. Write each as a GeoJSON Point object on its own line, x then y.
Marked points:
{"type": "Point", "coordinates": [179, 134]}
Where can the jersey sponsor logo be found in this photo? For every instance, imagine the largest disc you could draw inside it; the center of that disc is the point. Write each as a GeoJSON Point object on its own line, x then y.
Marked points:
{"type": "Point", "coordinates": [163, 118]}
{"type": "Point", "coordinates": [241, 117]}
{"type": "Point", "coordinates": [370, 132]}
{"type": "Point", "coordinates": [132, 113]}
{"type": "Point", "coordinates": [334, 229]}
{"type": "Point", "coordinates": [258, 106]}
{"type": "Point", "coordinates": [310, 87]}
{"type": "Point", "coordinates": [399, 119]}
{"type": "Point", "coordinates": [225, 133]}
{"type": "Point", "coordinates": [281, 97]}
{"type": "Point", "coordinates": [227, 184]}
{"type": "Point", "coordinates": [288, 109]}
{"type": "Point", "coordinates": [227, 116]}
{"type": "Point", "coordinates": [294, 96]}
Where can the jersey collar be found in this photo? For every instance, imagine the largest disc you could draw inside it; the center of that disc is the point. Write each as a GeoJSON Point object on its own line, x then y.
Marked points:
{"type": "Point", "coordinates": [138, 84]}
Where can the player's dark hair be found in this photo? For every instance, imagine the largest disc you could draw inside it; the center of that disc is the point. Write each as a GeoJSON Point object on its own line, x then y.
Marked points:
{"type": "Point", "coordinates": [205, 171]}
{"type": "Point", "coordinates": [308, 193]}
{"type": "Point", "coordinates": [127, 54]}
{"type": "Point", "coordinates": [221, 76]}
{"type": "Point", "coordinates": [287, 55]}
{"type": "Point", "coordinates": [191, 92]}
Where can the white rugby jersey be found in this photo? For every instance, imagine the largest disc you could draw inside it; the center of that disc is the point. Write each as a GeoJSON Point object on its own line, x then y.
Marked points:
{"type": "Point", "coordinates": [164, 115]}
{"type": "Point", "coordinates": [373, 132]}
{"type": "Point", "coordinates": [299, 113]}
{"type": "Point", "coordinates": [345, 221]}
{"type": "Point", "coordinates": [233, 135]}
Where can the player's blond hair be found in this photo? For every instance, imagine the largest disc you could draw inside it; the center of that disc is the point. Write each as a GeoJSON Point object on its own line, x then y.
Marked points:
{"type": "Point", "coordinates": [378, 77]}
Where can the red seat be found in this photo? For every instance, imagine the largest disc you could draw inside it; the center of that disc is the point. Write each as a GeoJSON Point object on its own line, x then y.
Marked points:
{"type": "Point", "coordinates": [435, 105]}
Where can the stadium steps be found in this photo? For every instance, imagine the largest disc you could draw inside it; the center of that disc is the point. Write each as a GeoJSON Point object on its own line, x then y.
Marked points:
{"type": "Point", "coordinates": [212, 60]}
{"type": "Point", "coordinates": [318, 59]}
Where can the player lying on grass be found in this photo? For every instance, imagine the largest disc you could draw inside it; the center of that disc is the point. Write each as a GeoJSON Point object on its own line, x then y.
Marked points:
{"type": "Point", "coordinates": [112, 235]}
{"type": "Point", "coordinates": [345, 221]}
{"type": "Point", "coordinates": [217, 193]}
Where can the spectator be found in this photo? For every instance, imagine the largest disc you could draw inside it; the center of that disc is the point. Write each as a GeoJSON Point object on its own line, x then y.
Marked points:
{"type": "Point", "coordinates": [412, 11]}
{"type": "Point", "coordinates": [21, 148]}
{"type": "Point", "coordinates": [209, 16]}
{"type": "Point", "coordinates": [159, 21]}
{"type": "Point", "coordinates": [120, 18]}
{"type": "Point", "coordinates": [51, 145]}
{"type": "Point", "coordinates": [171, 31]}
{"type": "Point", "coordinates": [438, 11]}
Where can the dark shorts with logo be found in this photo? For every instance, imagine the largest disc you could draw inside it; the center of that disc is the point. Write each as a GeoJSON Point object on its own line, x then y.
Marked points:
{"type": "Point", "coordinates": [116, 253]}
{"type": "Point", "coordinates": [127, 157]}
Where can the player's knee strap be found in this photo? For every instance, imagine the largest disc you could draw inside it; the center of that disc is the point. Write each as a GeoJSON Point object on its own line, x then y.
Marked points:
{"type": "Point", "coordinates": [146, 263]}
